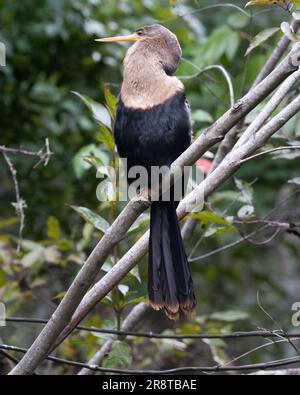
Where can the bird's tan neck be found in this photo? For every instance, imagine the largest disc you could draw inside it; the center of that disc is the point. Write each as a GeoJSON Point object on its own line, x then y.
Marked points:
{"type": "Point", "coordinates": [145, 83]}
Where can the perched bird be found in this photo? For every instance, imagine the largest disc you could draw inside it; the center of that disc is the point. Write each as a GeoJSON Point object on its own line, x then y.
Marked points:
{"type": "Point", "coordinates": [152, 128]}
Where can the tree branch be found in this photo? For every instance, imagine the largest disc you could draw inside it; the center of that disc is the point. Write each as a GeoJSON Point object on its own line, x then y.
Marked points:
{"type": "Point", "coordinates": [19, 204]}
{"type": "Point", "coordinates": [213, 369]}
{"type": "Point", "coordinates": [135, 315]}
{"type": "Point", "coordinates": [276, 55]}
{"type": "Point", "coordinates": [230, 138]}
{"type": "Point", "coordinates": [44, 153]}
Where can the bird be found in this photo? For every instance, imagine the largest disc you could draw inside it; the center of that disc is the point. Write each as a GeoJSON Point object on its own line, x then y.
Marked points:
{"type": "Point", "coordinates": [152, 128]}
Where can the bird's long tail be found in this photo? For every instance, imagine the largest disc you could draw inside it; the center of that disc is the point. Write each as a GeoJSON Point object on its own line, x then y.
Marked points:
{"type": "Point", "coordinates": [169, 281]}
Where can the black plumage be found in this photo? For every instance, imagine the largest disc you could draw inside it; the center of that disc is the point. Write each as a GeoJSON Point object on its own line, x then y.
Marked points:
{"type": "Point", "coordinates": [152, 128]}
{"type": "Point", "coordinates": [156, 136]}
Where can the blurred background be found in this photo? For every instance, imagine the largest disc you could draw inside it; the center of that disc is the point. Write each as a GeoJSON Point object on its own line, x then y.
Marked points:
{"type": "Point", "coordinates": [50, 53]}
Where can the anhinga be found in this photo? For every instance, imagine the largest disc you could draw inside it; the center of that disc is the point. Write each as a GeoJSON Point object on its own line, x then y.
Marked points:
{"type": "Point", "coordinates": [152, 128]}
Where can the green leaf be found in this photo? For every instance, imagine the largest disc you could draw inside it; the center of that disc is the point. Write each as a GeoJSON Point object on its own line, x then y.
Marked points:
{"type": "Point", "coordinates": [105, 136]}
{"type": "Point", "coordinates": [206, 217]}
{"type": "Point", "coordinates": [202, 116]}
{"type": "Point", "coordinates": [137, 300]}
{"type": "Point", "coordinates": [223, 41]}
{"type": "Point", "coordinates": [237, 20]}
{"type": "Point", "coordinates": [99, 112]}
{"type": "Point", "coordinates": [111, 101]}
{"type": "Point", "coordinates": [9, 222]}
{"type": "Point", "coordinates": [261, 38]}
{"type": "Point", "coordinates": [214, 223]}
{"type": "Point", "coordinates": [119, 356]}
{"type": "Point", "coordinates": [53, 228]}
{"type": "Point", "coordinates": [81, 164]}
{"type": "Point", "coordinates": [229, 316]}
{"type": "Point", "coordinates": [60, 295]}
{"type": "Point", "coordinates": [33, 257]}
{"type": "Point", "coordinates": [88, 215]}
{"type": "Point", "coordinates": [94, 161]}
{"type": "Point", "coordinates": [2, 277]}
{"type": "Point", "coordinates": [109, 323]}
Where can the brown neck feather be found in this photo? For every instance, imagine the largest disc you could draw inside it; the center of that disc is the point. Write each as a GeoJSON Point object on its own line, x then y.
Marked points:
{"type": "Point", "coordinates": [145, 82]}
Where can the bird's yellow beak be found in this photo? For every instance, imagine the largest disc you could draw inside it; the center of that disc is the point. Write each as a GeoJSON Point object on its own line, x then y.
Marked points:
{"type": "Point", "coordinates": [131, 37]}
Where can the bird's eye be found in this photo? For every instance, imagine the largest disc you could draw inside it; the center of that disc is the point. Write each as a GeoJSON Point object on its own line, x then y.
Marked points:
{"type": "Point", "coordinates": [140, 32]}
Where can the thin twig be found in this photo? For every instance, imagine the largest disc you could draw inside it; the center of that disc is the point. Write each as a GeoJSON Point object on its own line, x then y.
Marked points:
{"type": "Point", "coordinates": [269, 151]}
{"type": "Point", "coordinates": [208, 68]}
{"type": "Point", "coordinates": [277, 324]}
{"type": "Point", "coordinates": [10, 357]}
{"type": "Point", "coordinates": [44, 153]}
{"type": "Point", "coordinates": [207, 8]}
{"type": "Point", "coordinates": [152, 335]}
{"type": "Point", "coordinates": [19, 204]}
{"type": "Point", "coordinates": [216, 368]}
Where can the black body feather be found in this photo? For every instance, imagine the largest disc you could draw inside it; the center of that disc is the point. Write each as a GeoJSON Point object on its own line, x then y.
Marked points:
{"type": "Point", "coordinates": [156, 137]}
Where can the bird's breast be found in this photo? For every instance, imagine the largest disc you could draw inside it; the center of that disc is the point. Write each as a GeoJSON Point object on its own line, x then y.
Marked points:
{"type": "Point", "coordinates": [146, 91]}
{"type": "Point", "coordinates": [156, 135]}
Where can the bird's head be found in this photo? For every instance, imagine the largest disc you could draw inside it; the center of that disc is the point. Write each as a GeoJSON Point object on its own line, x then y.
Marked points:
{"type": "Point", "coordinates": [152, 42]}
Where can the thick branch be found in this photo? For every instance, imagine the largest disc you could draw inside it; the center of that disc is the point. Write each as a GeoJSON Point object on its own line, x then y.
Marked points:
{"type": "Point", "coordinates": [278, 52]}
{"type": "Point", "coordinates": [231, 137]}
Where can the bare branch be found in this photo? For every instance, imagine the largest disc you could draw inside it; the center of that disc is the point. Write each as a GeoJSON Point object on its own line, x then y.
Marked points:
{"type": "Point", "coordinates": [230, 138]}
{"type": "Point", "coordinates": [140, 310]}
{"type": "Point", "coordinates": [272, 104]}
{"type": "Point", "coordinates": [213, 369]}
{"type": "Point", "coordinates": [44, 153]}
{"type": "Point", "coordinates": [269, 151]}
{"type": "Point", "coordinates": [278, 52]}
{"type": "Point", "coordinates": [19, 204]}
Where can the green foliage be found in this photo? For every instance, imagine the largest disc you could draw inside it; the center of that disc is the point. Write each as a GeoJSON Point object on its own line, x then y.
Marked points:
{"type": "Point", "coordinates": [261, 38]}
{"type": "Point", "coordinates": [51, 53]}
{"type": "Point", "coordinates": [96, 220]}
{"type": "Point", "coordinates": [119, 356]}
